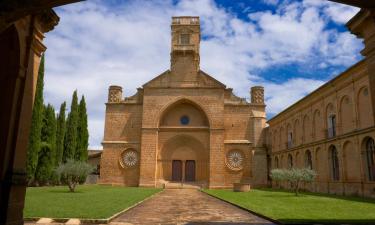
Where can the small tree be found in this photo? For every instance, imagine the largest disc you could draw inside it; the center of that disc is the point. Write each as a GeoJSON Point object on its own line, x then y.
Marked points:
{"type": "Point", "coordinates": [73, 173]}
{"type": "Point", "coordinates": [82, 131]}
{"type": "Point", "coordinates": [60, 134]}
{"type": "Point", "coordinates": [34, 144]}
{"type": "Point", "coordinates": [294, 176]}
{"type": "Point", "coordinates": [278, 175]}
{"type": "Point", "coordinates": [71, 133]}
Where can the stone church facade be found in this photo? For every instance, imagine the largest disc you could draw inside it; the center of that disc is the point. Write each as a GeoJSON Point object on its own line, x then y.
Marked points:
{"type": "Point", "coordinates": [184, 126]}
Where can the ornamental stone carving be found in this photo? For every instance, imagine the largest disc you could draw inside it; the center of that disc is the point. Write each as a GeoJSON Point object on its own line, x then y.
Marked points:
{"type": "Point", "coordinates": [257, 95]}
{"type": "Point", "coordinates": [114, 94]}
{"type": "Point", "coordinates": [129, 158]}
{"type": "Point", "coordinates": [235, 160]}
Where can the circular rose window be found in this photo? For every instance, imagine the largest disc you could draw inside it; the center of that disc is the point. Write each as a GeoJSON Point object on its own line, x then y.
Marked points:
{"type": "Point", "coordinates": [129, 158]}
{"type": "Point", "coordinates": [235, 160]}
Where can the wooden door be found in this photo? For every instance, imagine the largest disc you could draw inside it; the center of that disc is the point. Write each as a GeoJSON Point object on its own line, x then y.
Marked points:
{"type": "Point", "coordinates": [190, 170]}
{"type": "Point", "coordinates": [176, 170]}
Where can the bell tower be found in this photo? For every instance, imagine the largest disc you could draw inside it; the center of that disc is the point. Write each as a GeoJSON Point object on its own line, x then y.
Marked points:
{"type": "Point", "coordinates": [185, 48]}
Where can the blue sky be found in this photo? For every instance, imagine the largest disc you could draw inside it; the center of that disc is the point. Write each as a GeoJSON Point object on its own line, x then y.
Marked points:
{"type": "Point", "coordinates": [289, 47]}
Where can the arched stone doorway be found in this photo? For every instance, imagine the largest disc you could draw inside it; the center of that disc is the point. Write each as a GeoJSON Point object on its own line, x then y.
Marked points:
{"type": "Point", "coordinates": [183, 158]}
{"type": "Point", "coordinates": [183, 141]}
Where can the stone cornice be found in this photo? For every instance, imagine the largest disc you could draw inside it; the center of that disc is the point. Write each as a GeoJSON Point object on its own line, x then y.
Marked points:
{"type": "Point", "coordinates": [120, 142]}
{"type": "Point", "coordinates": [247, 142]}
{"type": "Point", "coordinates": [48, 19]}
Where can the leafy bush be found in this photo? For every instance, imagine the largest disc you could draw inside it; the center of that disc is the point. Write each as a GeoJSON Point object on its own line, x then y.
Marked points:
{"type": "Point", "coordinates": [73, 173]}
{"type": "Point", "coordinates": [294, 176]}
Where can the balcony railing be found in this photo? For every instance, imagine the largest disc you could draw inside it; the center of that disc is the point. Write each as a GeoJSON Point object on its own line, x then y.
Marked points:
{"type": "Point", "coordinates": [186, 20]}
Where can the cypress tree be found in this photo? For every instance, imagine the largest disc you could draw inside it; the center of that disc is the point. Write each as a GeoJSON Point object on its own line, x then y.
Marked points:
{"type": "Point", "coordinates": [83, 133]}
{"type": "Point", "coordinates": [36, 126]}
{"type": "Point", "coordinates": [46, 164]}
{"type": "Point", "coordinates": [60, 134]}
{"type": "Point", "coordinates": [71, 135]}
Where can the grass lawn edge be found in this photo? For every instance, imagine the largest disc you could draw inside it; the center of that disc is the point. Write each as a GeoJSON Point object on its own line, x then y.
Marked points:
{"type": "Point", "coordinates": [97, 221]}
{"type": "Point", "coordinates": [246, 209]}
{"type": "Point", "coordinates": [288, 222]}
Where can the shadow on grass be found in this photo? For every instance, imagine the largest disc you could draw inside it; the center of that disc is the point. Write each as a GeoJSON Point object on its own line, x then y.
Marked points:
{"type": "Point", "coordinates": [66, 191]}
{"type": "Point", "coordinates": [325, 221]}
{"type": "Point", "coordinates": [303, 194]}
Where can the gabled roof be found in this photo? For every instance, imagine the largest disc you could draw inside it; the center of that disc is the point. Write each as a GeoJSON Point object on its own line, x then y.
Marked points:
{"type": "Point", "coordinates": [165, 80]}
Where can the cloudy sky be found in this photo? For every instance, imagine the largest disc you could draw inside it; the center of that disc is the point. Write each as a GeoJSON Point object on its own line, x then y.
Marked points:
{"type": "Point", "coordinates": [289, 47]}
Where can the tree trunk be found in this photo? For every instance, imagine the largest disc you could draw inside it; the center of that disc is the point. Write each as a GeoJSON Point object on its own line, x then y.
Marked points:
{"type": "Point", "coordinates": [72, 186]}
{"type": "Point", "coordinates": [297, 187]}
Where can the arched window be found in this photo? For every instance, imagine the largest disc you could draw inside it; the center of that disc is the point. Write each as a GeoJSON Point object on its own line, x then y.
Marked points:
{"type": "Point", "coordinates": [289, 130]}
{"type": "Point", "coordinates": [334, 163]}
{"type": "Point", "coordinates": [290, 161]}
{"type": "Point", "coordinates": [308, 160]}
{"type": "Point", "coordinates": [276, 162]}
{"type": "Point", "coordinates": [331, 126]}
{"type": "Point", "coordinates": [370, 151]}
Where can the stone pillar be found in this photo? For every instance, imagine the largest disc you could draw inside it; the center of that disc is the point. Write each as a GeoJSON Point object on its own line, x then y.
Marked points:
{"type": "Point", "coordinates": [148, 160]}
{"type": "Point", "coordinates": [17, 102]}
{"type": "Point", "coordinates": [217, 158]}
{"type": "Point", "coordinates": [257, 95]}
{"type": "Point", "coordinates": [363, 26]}
{"type": "Point", "coordinates": [114, 94]}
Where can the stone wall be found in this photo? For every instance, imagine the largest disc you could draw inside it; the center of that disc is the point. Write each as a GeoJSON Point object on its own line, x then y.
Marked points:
{"type": "Point", "coordinates": [347, 98]}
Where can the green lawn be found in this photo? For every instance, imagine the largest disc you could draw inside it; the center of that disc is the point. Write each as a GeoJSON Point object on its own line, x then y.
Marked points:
{"type": "Point", "coordinates": [89, 201]}
{"type": "Point", "coordinates": [308, 207]}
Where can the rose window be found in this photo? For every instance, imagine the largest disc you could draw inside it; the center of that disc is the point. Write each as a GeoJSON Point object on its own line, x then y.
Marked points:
{"type": "Point", "coordinates": [130, 158]}
{"type": "Point", "coordinates": [235, 160]}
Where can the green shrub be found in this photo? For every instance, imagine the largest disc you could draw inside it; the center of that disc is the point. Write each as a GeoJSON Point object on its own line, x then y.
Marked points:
{"type": "Point", "coordinates": [294, 176]}
{"type": "Point", "coordinates": [73, 173]}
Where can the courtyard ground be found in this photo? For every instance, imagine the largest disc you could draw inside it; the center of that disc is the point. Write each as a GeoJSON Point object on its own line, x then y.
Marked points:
{"type": "Point", "coordinates": [307, 208]}
{"type": "Point", "coordinates": [89, 201]}
{"type": "Point", "coordinates": [188, 207]}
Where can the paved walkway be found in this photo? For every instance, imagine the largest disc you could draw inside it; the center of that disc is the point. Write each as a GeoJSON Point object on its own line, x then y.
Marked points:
{"type": "Point", "coordinates": [187, 207]}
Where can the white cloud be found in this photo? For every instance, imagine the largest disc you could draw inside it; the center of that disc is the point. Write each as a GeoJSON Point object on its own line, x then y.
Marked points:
{"type": "Point", "coordinates": [278, 96]}
{"type": "Point", "coordinates": [95, 46]}
{"type": "Point", "coordinates": [271, 2]}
